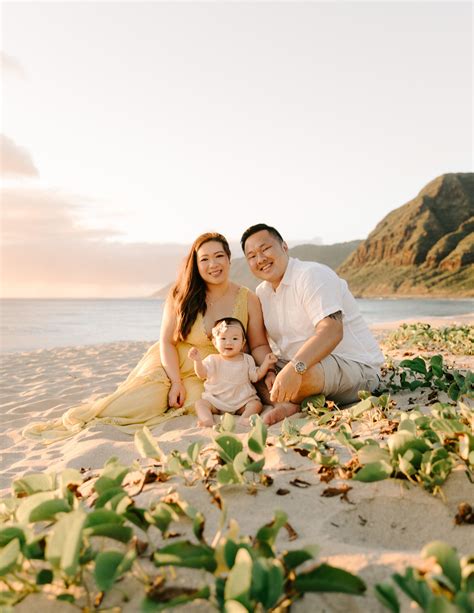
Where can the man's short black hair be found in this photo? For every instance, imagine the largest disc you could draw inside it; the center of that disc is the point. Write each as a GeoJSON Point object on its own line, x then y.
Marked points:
{"type": "Point", "coordinates": [258, 228]}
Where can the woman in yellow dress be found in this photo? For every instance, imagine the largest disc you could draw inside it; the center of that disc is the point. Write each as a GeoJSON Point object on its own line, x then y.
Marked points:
{"type": "Point", "coordinates": [164, 384]}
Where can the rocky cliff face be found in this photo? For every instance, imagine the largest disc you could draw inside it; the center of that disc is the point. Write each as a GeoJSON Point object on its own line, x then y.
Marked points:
{"type": "Point", "coordinates": [427, 240]}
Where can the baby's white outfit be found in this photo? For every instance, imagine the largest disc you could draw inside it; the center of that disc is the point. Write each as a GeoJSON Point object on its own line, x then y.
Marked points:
{"type": "Point", "coordinates": [227, 386]}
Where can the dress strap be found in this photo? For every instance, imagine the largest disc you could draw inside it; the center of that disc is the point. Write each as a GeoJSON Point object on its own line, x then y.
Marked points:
{"type": "Point", "coordinates": [241, 306]}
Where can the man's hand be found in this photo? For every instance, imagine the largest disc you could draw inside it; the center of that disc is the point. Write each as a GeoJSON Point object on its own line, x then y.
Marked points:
{"type": "Point", "coordinates": [176, 395]}
{"type": "Point", "coordinates": [286, 385]}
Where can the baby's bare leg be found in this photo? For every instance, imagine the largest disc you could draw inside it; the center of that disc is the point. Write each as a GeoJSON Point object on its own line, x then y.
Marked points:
{"type": "Point", "coordinates": [253, 407]}
{"type": "Point", "coordinates": [204, 410]}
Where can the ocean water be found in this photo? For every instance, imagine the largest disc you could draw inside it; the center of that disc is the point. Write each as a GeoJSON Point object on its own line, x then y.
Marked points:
{"type": "Point", "coordinates": [31, 324]}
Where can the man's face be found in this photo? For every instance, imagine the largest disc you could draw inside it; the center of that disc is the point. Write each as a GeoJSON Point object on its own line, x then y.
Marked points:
{"type": "Point", "coordinates": [266, 257]}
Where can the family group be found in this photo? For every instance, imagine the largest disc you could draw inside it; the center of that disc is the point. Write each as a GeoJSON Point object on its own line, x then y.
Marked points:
{"type": "Point", "coordinates": [300, 334]}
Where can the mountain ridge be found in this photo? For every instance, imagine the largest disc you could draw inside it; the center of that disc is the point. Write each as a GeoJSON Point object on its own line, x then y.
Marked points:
{"type": "Point", "coordinates": [424, 247]}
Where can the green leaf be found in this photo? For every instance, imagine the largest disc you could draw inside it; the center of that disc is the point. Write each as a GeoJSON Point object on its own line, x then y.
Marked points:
{"type": "Point", "coordinates": [227, 474]}
{"type": "Point", "coordinates": [10, 533]}
{"type": "Point", "coordinates": [267, 582]}
{"type": "Point", "coordinates": [198, 525]}
{"type": "Point", "coordinates": [325, 578]}
{"type": "Point", "coordinates": [436, 364]}
{"type": "Point", "coordinates": [447, 558]}
{"type": "Point", "coordinates": [453, 391]}
{"type": "Point", "coordinates": [360, 408]}
{"type": "Point", "coordinates": [227, 423]}
{"type": "Point", "coordinates": [186, 554]}
{"type": "Point", "coordinates": [147, 446]}
{"type": "Point", "coordinates": [112, 476]}
{"type": "Point", "coordinates": [387, 596]}
{"type": "Point", "coordinates": [193, 451]}
{"type": "Point", "coordinates": [408, 425]}
{"type": "Point", "coordinates": [109, 566]}
{"type": "Point", "coordinates": [44, 576]}
{"type": "Point", "coordinates": [64, 542]}
{"type": "Point", "coordinates": [416, 365]}
{"type": "Point", "coordinates": [230, 551]}
{"type": "Point", "coordinates": [114, 493]}
{"type": "Point", "coordinates": [400, 441]}
{"type": "Point", "coordinates": [317, 400]}
{"type": "Point", "coordinates": [9, 556]}
{"type": "Point", "coordinates": [239, 579]}
{"type": "Point", "coordinates": [163, 515]}
{"type": "Point", "coordinates": [293, 559]}
{"type": "Point", "coordinates": [268, 532]}
{"type": "Point", "coordinates": [102, 516]}
{"type": "Point", "coordinates": [441, 605]}
{"type": "Point", "coordinates": [229, 445]}
{"type": "Point", "coordinates": [375, 471]}
{"type": "Point", "coordinates": [27, 505]}
{"type": "Point", "coordinates": [48, 509]}
{"type": "Point", "coordinates": [34, 550]}
{"type": "Point", "coordinates": [138, 517]}
{"type": "Point", "coordinates": [369, 454]}
{"type": "Point", "coordinates": [258, 436]}
{"type": "Point", "coordinates": [414, 588]}
{"type": "Point", "coordinates": [112, 531]}
{"type": "Point", "coordinates": [34, 482]}
{"type": "Point", "coordinates": [243, 463]}
{"type": "Point", "coordinates": [66, 598]}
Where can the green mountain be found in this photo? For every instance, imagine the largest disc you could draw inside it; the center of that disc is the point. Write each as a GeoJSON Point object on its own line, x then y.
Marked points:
{"type": "Point", "coordinates": [425, 247]}
{"type": "Point", "coordinates": [331, 255]}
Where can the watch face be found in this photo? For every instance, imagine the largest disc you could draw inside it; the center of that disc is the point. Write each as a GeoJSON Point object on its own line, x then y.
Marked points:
{"type": "Point", "coordinates": [300, 367]}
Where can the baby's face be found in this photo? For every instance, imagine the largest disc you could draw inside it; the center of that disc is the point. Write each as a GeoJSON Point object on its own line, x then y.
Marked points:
{"type": "Point", "coordinates": [229, 342]}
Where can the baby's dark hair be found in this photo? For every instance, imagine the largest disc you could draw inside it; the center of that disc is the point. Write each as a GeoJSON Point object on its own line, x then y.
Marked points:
{"type": "Point", "coordinates": [228, 321]}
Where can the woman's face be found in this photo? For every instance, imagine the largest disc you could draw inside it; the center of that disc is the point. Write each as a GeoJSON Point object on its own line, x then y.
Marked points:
{"type": "Point", "coordinates": [213, 263]}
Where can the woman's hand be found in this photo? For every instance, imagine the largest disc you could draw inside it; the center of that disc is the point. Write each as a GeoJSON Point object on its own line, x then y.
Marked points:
{"type": "Point", "coordinates": [176, 395]}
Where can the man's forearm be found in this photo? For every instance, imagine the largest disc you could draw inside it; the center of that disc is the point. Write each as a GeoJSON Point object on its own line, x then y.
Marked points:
{"type": "Point", "coordinates": [328, 334]}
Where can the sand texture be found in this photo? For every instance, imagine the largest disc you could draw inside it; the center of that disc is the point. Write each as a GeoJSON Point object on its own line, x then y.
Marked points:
{"type": "Point", "coordinates": [379, 529]}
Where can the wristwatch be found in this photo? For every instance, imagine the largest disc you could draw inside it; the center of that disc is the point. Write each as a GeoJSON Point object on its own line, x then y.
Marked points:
{"type": "Point", "coordinates": [300, 367]}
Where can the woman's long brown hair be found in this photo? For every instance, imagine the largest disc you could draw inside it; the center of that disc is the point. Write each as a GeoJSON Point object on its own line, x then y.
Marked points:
{"type": "Point", "coordinates": [189, 291]}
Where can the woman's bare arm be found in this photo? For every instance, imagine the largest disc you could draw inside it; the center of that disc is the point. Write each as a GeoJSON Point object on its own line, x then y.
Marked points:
{"type": "Point", "coordinates": [256, 334]}
{"type": "Point", "coordinates": [169, 355]}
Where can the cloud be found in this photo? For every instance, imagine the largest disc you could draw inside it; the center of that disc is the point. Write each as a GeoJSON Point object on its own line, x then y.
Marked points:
{"type": "Point", "coordinates": [46, 251]}
{"type": "Point", "coordinates": [10, 65]}
{"type": "Point", "coordinates": [15, 160]}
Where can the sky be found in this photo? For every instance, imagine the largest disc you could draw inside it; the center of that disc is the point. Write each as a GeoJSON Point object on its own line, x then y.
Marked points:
{"type": "Point", "coordinates": [130, 128]}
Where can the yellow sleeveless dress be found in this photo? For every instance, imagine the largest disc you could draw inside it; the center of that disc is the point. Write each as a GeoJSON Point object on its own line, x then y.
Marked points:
{"type": "Point", "coordinates": [142, 399]}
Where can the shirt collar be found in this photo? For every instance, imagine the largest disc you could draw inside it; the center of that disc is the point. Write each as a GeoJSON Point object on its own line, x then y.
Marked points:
{"type": "Point", "coordinates": [286, 280]}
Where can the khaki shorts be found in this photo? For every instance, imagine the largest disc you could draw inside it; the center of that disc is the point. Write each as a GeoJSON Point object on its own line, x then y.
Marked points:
{"type": "Point", "coordinates": [344, 378]}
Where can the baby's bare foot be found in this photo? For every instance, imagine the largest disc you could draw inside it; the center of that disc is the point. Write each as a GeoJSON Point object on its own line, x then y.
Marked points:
{"type": "Point", "coordinates": [284, 409]}
{"type": "Point", "coordinates": [205, 423]}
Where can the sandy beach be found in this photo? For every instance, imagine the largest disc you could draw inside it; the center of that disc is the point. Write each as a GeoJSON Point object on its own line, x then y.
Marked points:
{"type": "Point", "coordinates": [378, 530]}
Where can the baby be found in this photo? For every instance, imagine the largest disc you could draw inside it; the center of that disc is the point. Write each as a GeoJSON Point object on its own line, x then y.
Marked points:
{"type": "Point", "coordinates": [228, 374]}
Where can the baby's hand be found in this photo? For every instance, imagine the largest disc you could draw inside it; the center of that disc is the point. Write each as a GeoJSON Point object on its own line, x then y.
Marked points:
{"type": "Point", "coordinates": [270, 359]}
{"type": "Point", "coordinates": [193, 354]}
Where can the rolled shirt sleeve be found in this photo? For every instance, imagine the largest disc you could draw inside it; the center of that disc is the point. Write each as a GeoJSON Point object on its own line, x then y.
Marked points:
{"type": "Point", "coordinates": [321, 294]}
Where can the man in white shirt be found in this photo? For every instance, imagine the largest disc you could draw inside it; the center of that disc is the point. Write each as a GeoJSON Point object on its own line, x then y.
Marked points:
{"type": "Point", "coordinates": [314, 327]}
